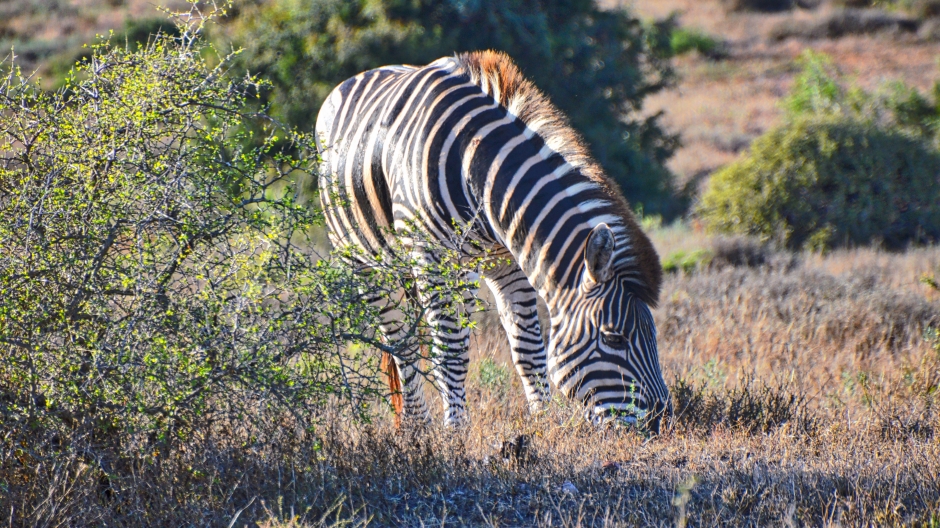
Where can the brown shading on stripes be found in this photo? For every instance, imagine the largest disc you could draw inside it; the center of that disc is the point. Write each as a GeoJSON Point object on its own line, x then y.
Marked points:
{"type": "Point", "coordinates": [498, 76]}
{"type": "Point", "coordinates": [394, 385]}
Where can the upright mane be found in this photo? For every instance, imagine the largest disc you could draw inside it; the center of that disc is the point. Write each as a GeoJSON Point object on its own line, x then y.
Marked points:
{"type": "Point", "coordinates": [498, 76]}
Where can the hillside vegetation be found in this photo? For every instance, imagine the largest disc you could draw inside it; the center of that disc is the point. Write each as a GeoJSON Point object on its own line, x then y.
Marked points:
{"type": "Point", "coordinates": [847, 167]}
{"type": "Point", "coordinates": [177, 349]}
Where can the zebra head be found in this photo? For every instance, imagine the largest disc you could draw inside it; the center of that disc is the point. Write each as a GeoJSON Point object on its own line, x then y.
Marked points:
{"type": "Point", "coordinates": [602, 346]}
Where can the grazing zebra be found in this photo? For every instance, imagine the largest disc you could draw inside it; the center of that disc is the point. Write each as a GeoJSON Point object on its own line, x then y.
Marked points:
{"type": "Point", "coordinates": [467, 141]}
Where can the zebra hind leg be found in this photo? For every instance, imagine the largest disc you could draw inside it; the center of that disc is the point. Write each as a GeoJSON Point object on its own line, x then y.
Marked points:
{"type": "Point", "coordinates": [448, 357]}
{"type": "Point", "coordinates": [406, 381]}
{"type": "Point", "coordinates": [450, 347]}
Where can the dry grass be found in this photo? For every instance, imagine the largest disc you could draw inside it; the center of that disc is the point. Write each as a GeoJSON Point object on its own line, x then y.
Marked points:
{"type": "Point", "coordinates": [806, 395]}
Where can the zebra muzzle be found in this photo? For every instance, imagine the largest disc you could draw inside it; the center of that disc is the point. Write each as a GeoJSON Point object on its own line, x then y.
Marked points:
{"type": "Point", "coordinates": [607, 416]}
{"type": "Point", "coordinates": [629, 416]}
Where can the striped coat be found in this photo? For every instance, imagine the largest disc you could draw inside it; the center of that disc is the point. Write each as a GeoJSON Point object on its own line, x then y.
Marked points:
{"type": "Point", "coordinates": [467, 142]}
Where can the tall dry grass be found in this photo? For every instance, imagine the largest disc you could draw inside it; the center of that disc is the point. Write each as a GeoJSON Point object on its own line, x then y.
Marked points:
{"type": "Point", "coordinates": [806, 394]}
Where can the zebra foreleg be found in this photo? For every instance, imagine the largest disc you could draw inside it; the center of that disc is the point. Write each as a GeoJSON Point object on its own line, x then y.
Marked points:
{"type": "Point", "coordinates": [450, 350]}
{"type": "Point", "coordinates": [517, 302]}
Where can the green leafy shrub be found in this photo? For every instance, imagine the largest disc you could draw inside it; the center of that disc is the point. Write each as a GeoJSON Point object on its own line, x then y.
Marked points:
{"type": "Point", "coordinates": [597, 65]}
{"type": "Point", "coordinates": [158, 282]}
{"type": "Point", "coordinates": [686, 261]}
{"type": "Point", "coordinates": [683, 41]}
{"type": "Point", "coordinates": [820, 90]}
{"type": "Point", "coordinates": [147, 270]}
{"type": "Point", "coordinates": [930, 281]}
{"type": "Point", "coordinates": [847, 167]}
{"type": "Point", "coordinates": [817, 89]}
{"type": "Point", "coordinates": [493, 376]}
{"type": "Point", "coordinates": [819, 182]}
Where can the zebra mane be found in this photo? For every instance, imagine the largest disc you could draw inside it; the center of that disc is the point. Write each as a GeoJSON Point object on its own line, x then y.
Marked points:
{"type": "Point", "coordinates": [498, 76]}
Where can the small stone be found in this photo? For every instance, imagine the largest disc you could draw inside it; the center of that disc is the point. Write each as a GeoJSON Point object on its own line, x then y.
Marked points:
{"type": "Point", "coordinates": [515, 450]}
{"type": "Point", "coordinates": [568, 488]}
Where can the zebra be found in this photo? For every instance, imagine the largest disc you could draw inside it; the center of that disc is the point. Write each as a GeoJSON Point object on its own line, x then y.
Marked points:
{"type": "Point", "coordinates": [468, 141]}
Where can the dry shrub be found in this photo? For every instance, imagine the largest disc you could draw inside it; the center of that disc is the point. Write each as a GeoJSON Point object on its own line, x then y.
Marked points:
{"type": "Point", "coordinates": [766, 6]}
{"type": "Point", "coordinates": [728, 251]}
{"type": "Point", "coordinates": [918, 8]}
{"type": "Point", "coordinates": [842, 22]}
{"type": "Point", "coordinates": [926, 8]}
{"type": "Point", "coordinates": [752, 407]}
{"type": "Point", "coordinates": [740, 251]}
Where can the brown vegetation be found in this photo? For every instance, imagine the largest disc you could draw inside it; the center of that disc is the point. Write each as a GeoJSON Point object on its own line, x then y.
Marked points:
{"type": "Point", "coordinates": [806, 395]}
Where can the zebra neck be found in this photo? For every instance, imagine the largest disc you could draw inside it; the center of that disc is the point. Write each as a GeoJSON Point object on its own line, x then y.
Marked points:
{"type": "Point", "coordinates": [543, 209]}
{"type": "Point", "coordinates": [554, 264]}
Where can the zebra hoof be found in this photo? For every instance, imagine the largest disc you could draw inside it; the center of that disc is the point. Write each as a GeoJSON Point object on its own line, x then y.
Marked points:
{"type": "Point", "coordinates": [457, 420]}
{"type": "Point", "coordinates": [536, 407]}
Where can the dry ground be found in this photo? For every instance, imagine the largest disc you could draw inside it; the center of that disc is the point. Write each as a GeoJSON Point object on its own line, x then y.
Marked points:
{"type": "Point", "coordinates": [720, 106]}
{"type": "Point", "coordinates": [806, 391]}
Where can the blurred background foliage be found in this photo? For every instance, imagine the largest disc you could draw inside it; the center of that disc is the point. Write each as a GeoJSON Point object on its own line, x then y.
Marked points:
{"type": "Point", "coordinates": [604, 66]}
{"type": "Point", "coordinates": [596, 65]}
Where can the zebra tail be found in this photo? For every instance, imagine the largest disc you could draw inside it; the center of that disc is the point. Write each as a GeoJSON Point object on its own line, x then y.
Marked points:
{"type": "Point", "coordinates": [394, 385]}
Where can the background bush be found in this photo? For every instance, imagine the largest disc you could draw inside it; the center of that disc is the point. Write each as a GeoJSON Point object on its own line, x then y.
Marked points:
{"type": "Point", "coordinates": [819, 182]}
{"type": "Point", "coordinates": [846, 168]}
{"type": "Point", "coordinates": [768, 6]}
{"type": "Point", "coordinates": [683, 41]}
{"type": "Point", "coordinates": [596, 65]}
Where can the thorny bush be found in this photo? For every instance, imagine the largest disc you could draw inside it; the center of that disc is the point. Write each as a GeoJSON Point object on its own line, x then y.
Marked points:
{"type": "Point", "coordinates": [157, 274]}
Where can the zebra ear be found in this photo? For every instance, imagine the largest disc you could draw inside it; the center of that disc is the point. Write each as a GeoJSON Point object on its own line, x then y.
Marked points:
{"type": "Point", "coordinates": [599, 253]}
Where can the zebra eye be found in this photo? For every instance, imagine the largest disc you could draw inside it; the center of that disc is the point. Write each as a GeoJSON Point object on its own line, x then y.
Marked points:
{"type": "Point", "coordinates": [614, 340]}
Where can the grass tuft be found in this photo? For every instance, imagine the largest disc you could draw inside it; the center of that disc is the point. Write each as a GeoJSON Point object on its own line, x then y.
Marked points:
{"type": "Point", "coordinates": [685, 40]}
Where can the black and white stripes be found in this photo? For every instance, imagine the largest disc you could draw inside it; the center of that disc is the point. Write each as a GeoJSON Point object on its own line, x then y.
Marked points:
{"type": "Point", "coordinates": [467, 141]}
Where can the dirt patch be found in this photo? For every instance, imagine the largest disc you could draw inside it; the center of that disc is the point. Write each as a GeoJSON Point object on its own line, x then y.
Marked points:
{"type": "Point", "coordinates": [844, 22]}
{"type": "Point", "coordinates": [718, 107]}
